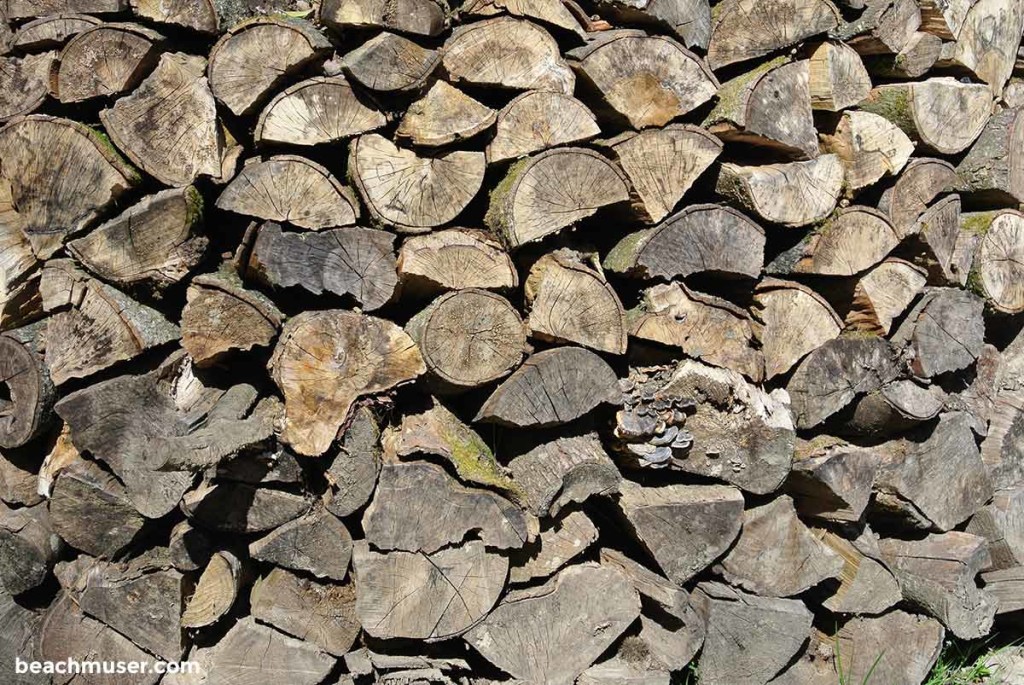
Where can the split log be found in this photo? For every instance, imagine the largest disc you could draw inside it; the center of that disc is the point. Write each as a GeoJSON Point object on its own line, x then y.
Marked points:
{"type": "Point", "coordinates": [468, 338]}
{"type": "Point", "coordinates": [241, 508]}
{"type": "Point", "coordinates": [220, 318]}
{"type": "Point", "coordinates": [944, 18]}
{"type": "Point", "coordinates": [885, 27]}
{"type": "Point", "coordinates": [20, 638]}
{"type": "Point", "coordinates": [252, 58]}
{"type": "Point", "coordinates": [942, 114]}
{"type": "Point", "coordinates": [684, 527]}
{"type": "Point", "coordinates": [998, 267]}
{"type": "Point", "coordinates": [934, 238]}
{"type": "Point", "coordinates": [987, 39]}
{"type": "Point", "coordinates": [26, 401]}
{"type": "Point", "coordinates": [25, 83]}
{"type": "Point", "coordinates": [1002, 451]}
{"type": "Point", "coordinates": [326, 360]}
{"type": "Point", "coordinates": [896, 406]}
{"type": "Point", "coordinates": [413, 595]}
{"type": "Point", "coordinates": [317, 111]}
{"type": "Point", "coordinates": [391, 64]}
{"type": "Point", "coordinates": [410, 192]}
{"type": "Point", "coordinates": [544, 194]}
{"type": "Point", "coordinates": [832, 480]}
{"type": "Point", "coordinates": [51, 31]}
{"type": "Point", "coordinates": [552, 12]}
{"type": "Point", "coordinates": [90, 510]}
{"type": "Point", "coordinates": [1001, 522]}
{"type": "Point", "coordinates": [62, 454]}
{"type": "Point", "coordinates": [643, 80]}
{"type": "Point", "coordinates": [103, 61]}
{"type": "Point", "coordinates": [698, 239]}
{"type": "Point", "coordinates": [768, 107]}
{"type": "Point", "coordinates": [417, 17]}
{"type": "Point", "coordinates": [937, 574]}
{"type": "Point", "coordinates": [168, 126]}
{"type": "Point", "coordinates": [586, 608]}
{"type": "Point", "coordinates": [883, 294]}
{"type": "Point", "coordinates": [652, 586]}
{"type": "Point", "coordinates": [29, 546]}
{"type": "Point", "coordinates": [915, 58]}
{"type": "Point", "coordinates": [735, 654]}
{"type": "Point", "coordinates": [455, 259]}
{"type": "Point", "coordinates": [552, 388]}
{"type": "Point", "coordinates": [944, 332]}
{"type": "Point", "coordinates": [993, 167]}
{"type": "Point", "coordinates": [198, 15]}
{"type": "Point", "coordinates": [865, 647]}
{"type": "Point", "coordinates": [215, 592]}
{"type": "Point", "coordinates": [443, 116]}
{"type": "Point", "coordinates": [352, 475]}
{"type": "Point", "coordinates": [690, 20]}
{"type": "Point", "coordinates": [870, 147]}
{"type": "Point", "coordinates": [19, 268]}
{"type": "Point", "coordinates": [1006, 587]}
{"type": "Point", "coordinates": [776, 555]}
{"type": "Point", "coordinates": [20, 472]}
{"type": "Point", "coordinates": [538, 120]}
{"type": "Point", "coordinates": [866, 586]}
{"type": "Point", "coordinates": [317, 543]}
{"type": "Point", "coordinates": [322, 614]}
{"type": "Point", "coordinates": [266, 465]}
{"type": "Point", "coordinates": [850, 242]}
{"type": "Point", "coordinates": [455, 510]}
{"type": "Point", "coordinates": [778, 304]}
{"type": "Point", "coordinates": [703, 326]}
{"type": "Point", "coordinates": [354, 261]}
{"type": "Point", "coordinates": [837, 79]}
{"type": "Point", "coordinates": [507, 53]}
{"type": "Point", "coordinates": [567, 537]}
{"type": "Point", "coordinates": [915, 189]}
{"type": "Point", "coordinates": [742, 30]}
{"type": "Point", "coordinates": [794, 194]}
{"type": "Point", "coordinates": [62, 176]}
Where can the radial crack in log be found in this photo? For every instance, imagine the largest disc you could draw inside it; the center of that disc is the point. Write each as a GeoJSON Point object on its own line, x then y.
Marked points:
{"type": "Point", "coordinates": [987, 39]}
{"type": "Point", "coordinates": [51, 31]}
{"type": "Point", "coordinates": [690, 20]}
{"type": "Point", "coordinates": [794, 194]}
{"type": "Point", "coordinates": [866, 585]}
{"type": "Point", "coordinates": [921, 182]}
{"type": "Point", "coordinates": [537, 120]}
{"type": "Point", "coordinates": [870, 147]}
{"type": "Point", "coordinates": [746, 29]}
{"type": "Point", "coordinates": [837, 79]}
{"type": "Point", "coordinates": [316, 111]}
{"type": "Point", "coordinates": [883, 294]}
{"type": "Point", "coordinates": [90, 510]}
{"type": "Point", "coordinates": [455, 259]}
{"type": "Point", "coordinates": [317, 543]}
{"type": "Point", "coordinates": [997, 272]}
{"type": "Point", "coordinates": [777, 304]}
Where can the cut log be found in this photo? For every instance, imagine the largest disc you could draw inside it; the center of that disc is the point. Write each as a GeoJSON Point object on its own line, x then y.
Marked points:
{"type": "Point", "coordinates": [1001, 522]}
{"type": "Point", "coordinates": [391, 64]}
{"type": "Point", "coordinates": [794, 194]}
{"type": "Point", "coordinates": [865, 647]}
{"type": "Point", "coordinates": [253, 57]}
{"type": "Point", "coordinates": [699, 239]}
{"type": "Point", "coordinates": [507, 53]}
{"type": "Point", "coordinates": [221, 318]}
{"type": "Point", "coordinates": [776, 555]}
{"type": "Point", "coordinates": [325, 360]}
{"type": "Point", "coordinates": [768, 107]}
{"type": "Point", "coordinates": [20, 638]}
{"type": "Point", "coordinates": [942, 114]}
{"type": "Point", "coordinates": [1002, 451]}
{"type": "Point", "coordinates": [28, 547]}
{"type": "Point", "coordinates": [322, 614]}
{"type": "Point", "coordinates": [1006, 587]}
{"type": "Point", "coordinates": [944, 18]}
{"type": "Point", "coordinates": [643, 80]}
{"type": "Point", "coordinates": [551, 191]}
{"type": "Point", "coordinates": [684, 527]}
{"type": "Point", "coordinates": [552, 12]}
{"type": "Point", "coordinates": [538, 120]}
{"type": "Point", "coordinates": [742, 30]}
{"type": "Point", "coordinates": [426, 597]}
{"type": "Point", "coordinates": [443, 116]}
{"type": "Point", "coordinates": [897, 406]}
{"type": "Point", "coordinates": [390, 520]}
{"type": "Point", "coordinates": [103, 61]}
{"type": "Point", "coordinates": [885, 27]}
{"type": "Point", "coordinates": [998, 267]}
{"type": "Point", "coordinates": [316, 111]}
{"type": "Point", "coordinates": [986, 41]}
{"type": "Point", "coordinates": [198, 15]}
{"type": "Point", "coordinates": [937, 574]}
{"type": "Point", "coordinates": [652, 586]}
{"type": "Point", "coordinates": [838, 79]}
{"type": "Point", "coordinates": [51, 31]}
{"type": "Point", "coordinates": [215, 592]}
{"type": "Point", "coordinates": [993, 167]}
{"type": "Point", "coordinates": [240, 508]}
{"type": "Point", "coordinates": [26, 391]}
{"type": "Point", "coordinates": [62, 176]}
{"type": "Point", "coordinates": [870, 147]}
{"type": "Point", "coordinates": [914, 60]}
{"type": "Point", "coordinates": [944, 332]}
{"type": "Point", "coordinates": [19, 268]}
{"type": "Point", "coordinates": [778, 305]}
{"type": "Point", "coordinates": [852, 241]}
{"type": "Point", "coordinates": [552, 388]}
{"type": "Point", "coordinates": [584, 608]}
{"type": "Point", "coordinates": [455, 259]}
{"type": "Point", "coordinates": [468, 338]}
{"type": "Point", "coordinates": [90, 510]}
{"type": "Point", "coordinates": [690, 20]}
{"type": "Point", "coordinates": [317, 543]}
{"type": "Point", "coordinates": [883, 294]}
{"type": "Point", "coordinates": [832, 480]}
{"type": "Point", "coordinates": [567, 537]}
{"type": "Point", "coordinates": [62, 454]}
{"type": "Point", "coordinates": [24, 83]}
{"type": "Point", "coordinates": [416, 17]}
{"type": "Point", "coordinates": [352, 475]}
{"type": "Point", "coordinates": [934, 239]}
{"type": "Point", "coordinates": [19, 478]}
{"type": "Point", "coordinates": [866, 586]}
{"type": "Point", "coordinates": [921, 182]}
{"type": "Point", "coordinates": [735, 654]}
{"type": "Point", "coordinates": [410, 192]}
{"type": "Point", "coordinates": [355, 262]}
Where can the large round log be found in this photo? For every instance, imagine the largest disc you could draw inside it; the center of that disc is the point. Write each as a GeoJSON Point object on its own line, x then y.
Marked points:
{"type": "Point", "coordinates": [998, 270]}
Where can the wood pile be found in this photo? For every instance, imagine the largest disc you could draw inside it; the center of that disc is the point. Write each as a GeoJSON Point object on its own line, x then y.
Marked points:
{"type": "Point", "coordinates": [533, 341]}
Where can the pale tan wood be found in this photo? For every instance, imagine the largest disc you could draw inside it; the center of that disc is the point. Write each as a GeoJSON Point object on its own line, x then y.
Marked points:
{"type": "Point", "coordinates": [104, 60]}
{"type": "Point", "coordinates": [317, 111]}
{"type": "Point", "coordinates": [221, 317]}
{"type": "Point", "coordinates": [998, 270]}
{"type": "Point", "coordinates": [24, 83]}
{"type": "Point", "coordinates": [779, 304]}
{"type": "Point", "coordinates": [742, 30]}
{"type": "Point", "coordinates": [987, 41]}
{"type": "Point", "coordinates": [51, 31]}
{"type": "Point", "coordinates": [794, 194]}
{"type": "Point", "coordinates": [870, 147]}
{"type": "Point", "coordinates": [1001, 522]}
{"type": "Point", "coordinates": [443, 116]}
{"type": "Point", "coordinates": [866, 586]}
{"type": "Point", "coordinates": [416, 17]}
{"type": "Point", "coordinates": [916, 58]}
{"type": "Point", "coordinates": [853, 240]}
{"type": "Point", "coordinates": [837, 79]}
{"type": "Point", "coordinates": [551, 12]}
{"type": "Point", "coordinates": [198, 15]}
{"type": "Point", "coordinates": [389, 63]}
{"type": "Point", "coordinates": [945, 331]}
{"type": "Point", "coordinates": [215, 591]}
{"type": "Point", "coordinates": [23, 9]}
{"type": "Point", "coordinates": [454, 259]}
{"type": "Point", "coordinates": [19, 267]}
{"type": "Point", "coordinates": [921, 182]}
{"type": "Point", "coordinates": [883, 294]}
{"type": "Point", "coordinates": [831, 479]}
{"type": "Point", "coordinates": [944, 18]}
{"type": "Point", "coordinates": [537, 120]}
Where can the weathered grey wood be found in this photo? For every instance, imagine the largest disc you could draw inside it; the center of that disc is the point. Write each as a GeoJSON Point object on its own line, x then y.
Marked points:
{"type": "Point", "coordinates": [90, 510]}
{"type": "Point", "coordinates": [29, 546]}
{"type": "Point", "coordinates": [317, 543]}
{"type": "Point", "coordinates": [866, 585]}
{"type": "Point", "coordinates": [1001, 522]}
{"type": "Point", "coordinates": [18, 639]}
{"type": "Point", "coordinates": [794, 194]}
{"type": "Point", "coordinates": [917, 56]}
{"type": "Point", "coordinates": [1002, 451]}
{"type": "Point", "coordinates": [215, 592]}
{"type": "Point", "coordinates": [242, 508]}
{"type": "Point", "coordinates": [746, 29]}
{"type": "Point", "coordinates": [26, 408]}
{"type": "Point", "coordinates": [944, 332]}
{"type": "Point", "coordinates": [221, 318]}
{"type": "Point", "coordinates": [25, 82]}
{"type": "Point", "coordinates": [690, 20]}
{"type": "Point", "coordinates": [198, 15]}
{"type": "Point", "coordinates": [51, 31]}
{"type": "Point", "coordinates": [19, 477]}
{"type": "Point", "coordinates": [568, 536]}
{"type": "Point", "coordinates": [104, 60]}
{"type": "Point", "coordinates": [443, 116]}
{"type": "Point", "coordinates": [352, 474]}
{"type": "Point", "coordinates": [897, 406]}
{"type": "Point", "coordinates": [390, 64]}
{"type": "Point", "coordinates": [777, 304]}
{"type": "Point", "coordinates": [866, 647]}
{"type": "Point", "coordinates": [851, 241]}
{"type": "Point", "coordinates": [1006, 586]}
{"type": "Point", "coordinates": [20, 270]}
{"type": "Point", "coordinates": [993, 167]}
{"type": "Point", "coordinates": [921, 182]}
{"type": "Point", "coordinates": [832, 480]}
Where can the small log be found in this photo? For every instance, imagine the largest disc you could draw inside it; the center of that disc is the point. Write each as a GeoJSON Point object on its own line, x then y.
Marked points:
{"type": "Point", "coordinates": [1001, 451]}
{"type": "Point", "coordinates": [1006, 587]}
{"type": "Point", "coordinates": [19, 478]}
{"type": "Point", "coordinates": [317, 543]}
{"type": "Point", "coordinates": [865, 647]}
{"type": "Point", "coordinates": [567, 537]}
{"type": "Point", "coordinates": [566, 470]}
{"type": "Point", "coordinates": [266, 465]}
{"type": "Point", "coordinates": [29, 546]}
{"type": "Point", "coordinates": [25, 83]}
{"type": "Point", "coordinates": [410, 192]}
{"type": "Point", "coordinates": [689, 20]}
{"type": "Point", "coordinates": [544, 194]}
{"type": "Point", "coordinates": [220, 318]}
{"type": "Point", "coordinates": [551, 388]}
{"type": "Point", "coordinates": [507, 53]}
{"type": "Point", "coordinates": [937, 574]}
{"type": "Point", "coordinates": [831, 479]}
{"type": "Point", "coordinates": [215, 592]}
{"type": "Point", "coordinates": [455, 259]}
{"type": "Point", "coordinates": [103, 61]}
{"type": "Point", "coordinates": [643, 80]}
{"type": "Point", "coordinates": [1002, 524]}
{"type": "Point", "coordinates": [850, 242]}
{"type": "Point", "coordinates": [897, 406]}
{"type": "Point", "coordinates": [993, 165]}
{"type": "Point", "coordinates": [90, 510]}
{"type": "Point", "coordinates": [538, 120]}
{"type": "Point", "coordinates": [62, 176]}
{"type": "Point", "coordinates": [322, 614]}
{"type": "Point", "coordinates": [883, 294]}
{"type": "Point", "coordinates": [944, 18]}
{"type": "Point", "coordinates": [703, 326]}
{"type": "Point", "coordinates": [391, 64]}
{"type": "Point", "coordinates": [51, 31]}
{"type": "Point", "coordinates": [62, 454]}
{"type": "Point", "coordinates": [19, 268]}
{"type": "Point", "coordinates": [942, 114]}
{"type": "Point", "coordinates": [315, 364]}
{"type": "Point", "coordinates": [999, 262]}
{"type": "Point", "coordinates": [416, 17]}
{"type": "Point", "coordinates": [426, 597]}
{"type": "Point", "coordinates": [27, 397]}
{"type": "Point", "coordinates": [584, 608]}
{"type": "Point", "coordinates": [778, 305]}
{"type": "Point", "coordinates": [837, 79]}
{"type": "Point", "coordinates": [352, 475]}
{"type": "Point", "coordinates": [742, 30]}
{"type": "Point", "coordinates": [934, 239]}
{"type": "Point", "coordinates": [866, 586]}
{"type": "Point", "coordinates": [252, 58]}
{"type": "Point", "coordinates": [884, 28]}
{"type": "Point", "coordinates": [921, 182]}
{"type": "Point", "coordinates": [776, 555]}
{"type": "Point", "coordinates": [391, 520]}
{"type": "Point", "coordinates": [198, 15]}
{"type": "Point", "coordinates": [698, 239]}
{"type": "Point", "coordinates": [552, 12]}
{"type": "Point", "coordinates": [944, 332]}
{"type": "Point", "coordinates": [768, 107]}
{"type": "Point", "coordinates": [794, 194]}
{"type": "Point", "coordinates": [468, 338]}
{"type": "Point", "coordinates": [316, 111]}
{"type": "Point", "coordinates": [914, 60]}
{"type": "Point", "coordinates": [443, 116]}
{"type": "Point", "coordinates": [735, 654]}
{"type": "Point", "coordinates": [241, 508]}
{"type": "Point", "coordinates": [684, 527]}
{"type": "Point", "coordinates": [870, 147]}
{"type": "Point", "coordinates": [986, 42]}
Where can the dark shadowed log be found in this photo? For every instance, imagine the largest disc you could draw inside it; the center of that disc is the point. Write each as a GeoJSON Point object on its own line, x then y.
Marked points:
{"type": "Point", "coordinates": [455, 259]}
{"type": "Point", "coordinates": [29, 546]}
{"type": "Point", "coordinates": [90, 510]}
{"type": "Point", "coordinates": [25, 83]}
{"type": "Point", "coordinates": [987, 40]}
{"type": "Point", "coordinates": [104, 60]}
{"type": "Point", "coordinates": [352, 475]}
{"type": "Point", "coordinates": [443, 116]}
{"type": "Point", "coordinates": [997, 271]}
{"type": "Point", "coordinates": [316, 111]}
{"type": "Point", "coordinates": [418, 17]}
{"type": "Point", "coordinates": [51, 31]}
{"type": "Point", "coordinates": [21, 630]}
{"type": "Point", "coordinates": [26, 407]}
{"type": "Point", "coordinates": [19, 478]}
{"type": "Point", "coordinates": [269, 464]}
{"type": "Point", "coordinates": [317, 543]}
{"type": "Point", "coordinates": [1001, 522]}
{"type": "Point", "coordinates": [897, 406]}
{"type": "Point", "coordinates": [848, 243]}
{"type": "Point", "coordinates": [215, 592]}
{"type": "Point", "coordinates": [870, 147]}
{"type": "Point", "coordinates": [794, 194]}
{"type": "Point", "coordinates": [837, 78]}
{"type": "Point", "coordinates": [920, 183]}
{"type": "Point", "coordinates": [866, 586]}
{"type": "Point", "coordinates": [323, 614]}
{"type": "Point", "coordinates": [390, 64]}
{"type": "Point", "coordinates": [866, 647]}
{"type": "Point", "coordinates": [934, 239]}
{"type": "Point", "coordinates": [1007, 587]}
{"type": "Point", "coordinates": [914, 59]}
{"type": "Point", "coordinates": [993, 167]}
{"type": "Point", "coordinates": [221, 317]}
{"type": "Point", "coordinates": [568, 537]}
{"type": "Point", "coordinates": [747, 29]}
{"type": "Point", "coordinates": [832, 480]}
{"type": "Point", "coordinates": [537, 120]}
{"type": "Point", "coordinates": [778, 304]}
{"type": "Point", "coordinates": [1002, 451]}
{"type": "Point", "coordinates": [240, 508]}
{"type": "Point", "coordinates": [883, 294]}
{"type": "Point", "coordinates": [944, 332]}
{"type": "Point", "coordinates": [198, 15]}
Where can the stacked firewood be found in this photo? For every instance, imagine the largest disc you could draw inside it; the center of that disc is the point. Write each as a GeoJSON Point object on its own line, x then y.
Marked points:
{"type": "Point", "coordinates": [545, 341]}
